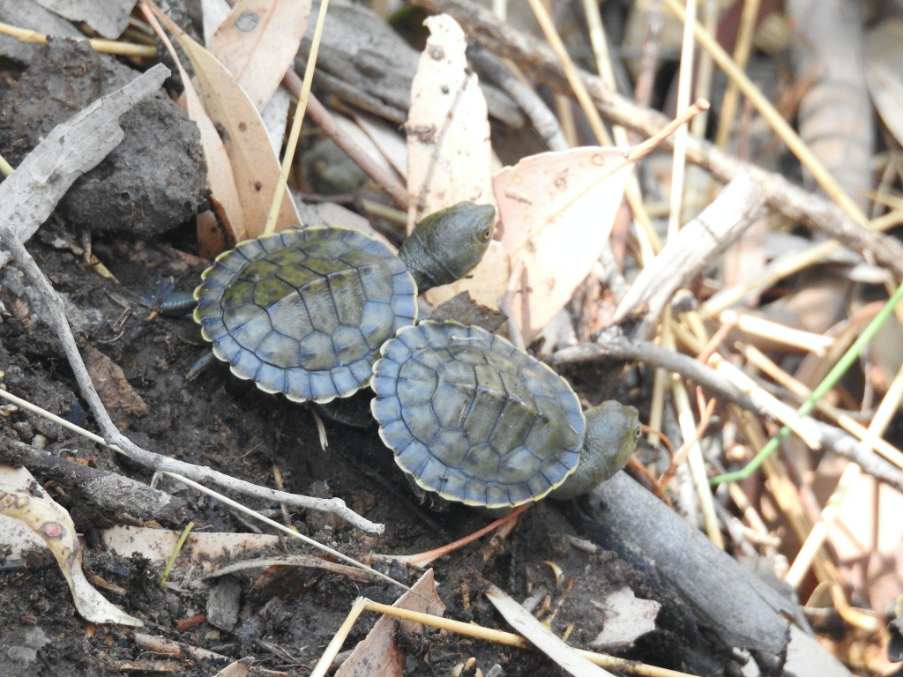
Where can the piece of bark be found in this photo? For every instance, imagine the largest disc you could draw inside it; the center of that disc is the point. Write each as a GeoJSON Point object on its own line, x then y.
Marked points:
{"type": "Point", "coordinates": [223, 603]}
{"type": "Point", "coordinates": [686, 255]}
{"type": "Point", "coordinates": [742, 609]}
{"type": "Point", "coordinates": [794, 202]}
{"type": "Point", "coordinates": [127, 498]}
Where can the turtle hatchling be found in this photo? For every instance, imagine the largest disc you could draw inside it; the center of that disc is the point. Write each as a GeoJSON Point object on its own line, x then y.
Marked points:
{"type": "Point", "coordinates": [476, 420]}
{"type": "Point", "coordinates": [305, 312]}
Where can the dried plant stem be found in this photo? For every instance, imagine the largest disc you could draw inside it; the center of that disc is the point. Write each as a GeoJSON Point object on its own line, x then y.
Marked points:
{"type": "Point", "coordinates": [97, 44]}
{"type": "Point", "coordinates": [685, 74]}
{"type": "Point", "coordinates": [704, 77]}
{"type": "Point", "coordinates": [768, 329]}
{"type": "Point", "coordinates": [804, 559]}
{"type": "Point", "coordinates": [775, 119]}
{"type": "Point", "coordinates": [759, 360]}
{"type": "Point", "coordinates": [336, 643]}
{"type": "Point", "coordinates": [741, 55]}
{"type": "Point", "coordinates": [292, 142]}
{"type": "Point", "coordinates": [785, 266]}
{"type": "Point", "coordinates": [514, 640]}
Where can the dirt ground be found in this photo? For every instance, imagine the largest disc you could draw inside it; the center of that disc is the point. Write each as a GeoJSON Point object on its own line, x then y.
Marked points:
{"type": "Point", "coordinates": [231, 426]}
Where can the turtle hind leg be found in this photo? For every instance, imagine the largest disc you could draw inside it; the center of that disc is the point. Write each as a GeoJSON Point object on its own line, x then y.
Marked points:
{"type": "Point", "coordinates": [201, 365]}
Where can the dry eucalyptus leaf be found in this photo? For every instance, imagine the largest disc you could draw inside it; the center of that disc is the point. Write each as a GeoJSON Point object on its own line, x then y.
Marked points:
{"type": "Point", "coordinates": [23, 500]}
{"type": "Point", "coordinates": [556, 211]}
{"type": "Point", "coordinates": [254, 165]}
{"type": "Point", "coordinates": [202, 549]}
{"type": "Point", "coordinates": [627, 618]}
{"type": "Point", "coordinates": [258, 42]}
{"type": "Point", "coordinates": [379, 653]}
{"type": "Point", "coordinates": [449, 153]}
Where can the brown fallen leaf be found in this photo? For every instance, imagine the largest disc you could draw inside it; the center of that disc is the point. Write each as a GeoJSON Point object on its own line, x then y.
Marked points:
{"type": "Point", "coordinates": [379, 653]}
{"type": "Point", "coordinates": [556, 210]}
{"type": "Point", "coordinates": [254, 165]}
{"type": "Point", "coordinates": [118, 396]}
{"type": "Point", "coordinates": [258, 41]}
{"type": "Point", "coordinates": [449, 152]}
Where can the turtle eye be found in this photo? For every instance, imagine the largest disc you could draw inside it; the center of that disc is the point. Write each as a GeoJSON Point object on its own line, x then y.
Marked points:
{"type": "Point", "coordinates": [486, 234]}
{"type": "Point", "coordinates": [637, 433]}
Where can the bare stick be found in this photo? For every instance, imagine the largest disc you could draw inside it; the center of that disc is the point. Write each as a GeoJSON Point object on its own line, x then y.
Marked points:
{"type": "Point", "coordinates": [613, 344]}
{"type": "Point", "coordinates": [105, 489]}
{"type": "Point", "coordinates": [794, 202]}
{"type": "Point", "coordinates": [116, 440]}
{"type": "Point", "coordinates": [685, 73]}
{"type": "Point", "coordinates": [693, 248]}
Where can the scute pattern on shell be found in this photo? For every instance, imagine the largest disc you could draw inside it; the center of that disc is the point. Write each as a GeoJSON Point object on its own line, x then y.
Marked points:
{"type": "Point", "coordinates": [304, 312]}
{"type": "Point", "coordinates": [474, 419]}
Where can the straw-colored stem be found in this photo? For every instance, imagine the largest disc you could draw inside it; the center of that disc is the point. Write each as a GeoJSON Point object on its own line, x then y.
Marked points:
{"type": "Point", "coordinates": [514, 640]}
{"type": "Point", "coordinates": [292, 142]}
{"type": "Point", "coordinates": [97, 44]}
{"type": "Point", "coordinates": [741, 55]}
{"type": "Point", "coordinates": [814, 541]}
{"type": "Point", "coordinates": [704, 78]}
{"type": "Point", "coordinates": [329, 654]}
{"type": "Point", "coordinates": [685, 76]}
{"type": "Point", "coordinates": [778, 123]}
{"type": "Point", "coordinates": [768, 329]}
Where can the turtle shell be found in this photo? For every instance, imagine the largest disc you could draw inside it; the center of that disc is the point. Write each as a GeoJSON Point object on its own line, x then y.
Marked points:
{"type": "Point", "coordinates": [305, 312]}
{"type": "Point", "coordinates": [473, 418]}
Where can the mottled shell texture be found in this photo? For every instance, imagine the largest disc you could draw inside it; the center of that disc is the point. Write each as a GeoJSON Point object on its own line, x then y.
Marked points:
{"type": "Point", "coordinates": [305, 312]}
{"type": "Point", "coordinates": [474, 419]}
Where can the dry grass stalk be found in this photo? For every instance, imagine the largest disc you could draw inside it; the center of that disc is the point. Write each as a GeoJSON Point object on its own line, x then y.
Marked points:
{"type": "Point", "coordinates": [741, 55]}
{"type": "Point", "coordinates": [336, 643]}
{"type": "Point", "coordinates": [775, 119]}
{"type": "Point", "coordinates": [292, 142]}
{"type": "Point", "coordinates": [97, 44]}
{"type": "Point", "coordinates": [685, 74]}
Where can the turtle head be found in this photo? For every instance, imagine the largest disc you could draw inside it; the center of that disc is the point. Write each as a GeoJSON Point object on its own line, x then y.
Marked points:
{"type": "Point", "coordinates": [446, 245]}
{"type": "Point", "coordinates": [611, 435]}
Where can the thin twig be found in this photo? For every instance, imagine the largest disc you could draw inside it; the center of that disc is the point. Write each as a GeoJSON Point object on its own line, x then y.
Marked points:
{"type": "Point", "coordinates": [685, 74]}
